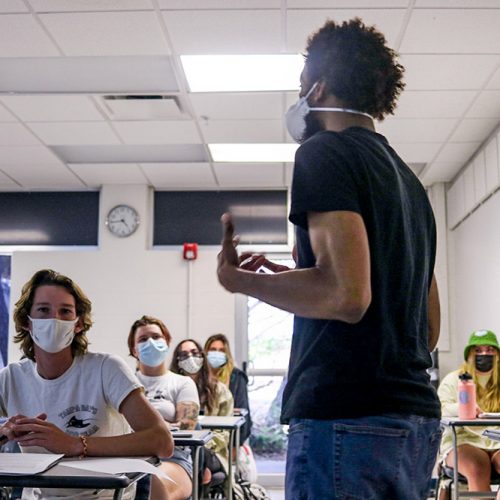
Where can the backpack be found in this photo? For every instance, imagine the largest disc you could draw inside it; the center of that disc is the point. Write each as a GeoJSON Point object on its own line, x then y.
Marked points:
{"type": "Point", "coordinates": [245, 490]}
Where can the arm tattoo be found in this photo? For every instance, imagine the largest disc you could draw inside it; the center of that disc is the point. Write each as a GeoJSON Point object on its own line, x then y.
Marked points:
{"type": "Point", "coordinates": [187, 414]}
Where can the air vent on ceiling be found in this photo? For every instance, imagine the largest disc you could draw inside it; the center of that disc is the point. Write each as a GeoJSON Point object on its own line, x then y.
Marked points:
{"type": "Point", "coordinates": [143, 107]}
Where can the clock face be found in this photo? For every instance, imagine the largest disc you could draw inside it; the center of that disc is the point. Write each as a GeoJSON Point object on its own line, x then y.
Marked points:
{"type": "Point", "coordinates": [122, 220]}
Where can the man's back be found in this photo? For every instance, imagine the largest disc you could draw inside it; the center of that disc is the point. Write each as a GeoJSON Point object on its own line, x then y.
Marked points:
{"type": "Point", "coordinates": [378, 365]}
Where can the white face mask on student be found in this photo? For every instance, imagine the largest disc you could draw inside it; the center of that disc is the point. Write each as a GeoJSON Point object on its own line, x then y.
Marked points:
{"type": "Point", "coordinates": [52, 335]}
{"type": "Point", "coordinates": [191, 365]}
{"type": "Point", "coordinates": [296, 115]}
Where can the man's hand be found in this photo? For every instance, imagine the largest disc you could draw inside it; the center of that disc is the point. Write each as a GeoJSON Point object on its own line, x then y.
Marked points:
{"type": "Point", "coordinates": [10, 430]}
{"type": "Point", "coordinates": [38, 432]}
{"type": "Point", "coordinates": [228, 260]}
{"type": "Point", "coordinates": [253, 262]}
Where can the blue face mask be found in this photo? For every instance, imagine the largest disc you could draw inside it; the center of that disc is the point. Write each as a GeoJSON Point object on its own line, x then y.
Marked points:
{"type": "Point", "coordinates": [152, 352]}
{"type": "Point", "coordinates": [216, 359]}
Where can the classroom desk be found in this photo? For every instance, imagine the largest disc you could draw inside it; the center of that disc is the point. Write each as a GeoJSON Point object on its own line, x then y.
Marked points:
{"type": "Point", "coordinates": [233, 425]}
{"type": "Point", "coordinates": [453, 423]}
{"type": "Point", "coordinates": [195, 439]}
{"type": "Point", "coordinates": [60, 476]}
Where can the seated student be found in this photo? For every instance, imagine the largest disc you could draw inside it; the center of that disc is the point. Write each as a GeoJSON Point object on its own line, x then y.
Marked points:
{"type": "Point", "coordinates": [477, 454]}
{"type": "Point", "coordinates": [221, 366]}
{"type": "Point", "coordinates": [174, 396]}
{"type": "Point", "coordinates": [64, 399]}
{"type": "Point", "coordinates": [215, 399]}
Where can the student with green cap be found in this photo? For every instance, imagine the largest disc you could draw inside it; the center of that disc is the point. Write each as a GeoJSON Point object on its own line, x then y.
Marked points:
{"type": "Point", "coordinates": [477, 454]}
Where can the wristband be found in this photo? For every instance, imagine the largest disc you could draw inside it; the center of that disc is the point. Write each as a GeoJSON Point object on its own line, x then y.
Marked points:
{"type": "Point", "coordinates": [83, 439]}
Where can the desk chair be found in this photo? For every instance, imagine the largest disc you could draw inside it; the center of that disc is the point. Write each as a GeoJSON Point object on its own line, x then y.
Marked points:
{"type": "Point", "coordinates": [445, 473]}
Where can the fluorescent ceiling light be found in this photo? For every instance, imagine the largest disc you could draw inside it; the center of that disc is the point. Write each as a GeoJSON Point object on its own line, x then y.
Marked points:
{"type": "Point", "coordinates": [243, 153]}
{"type": "Point", "coordinates": [235, 73]}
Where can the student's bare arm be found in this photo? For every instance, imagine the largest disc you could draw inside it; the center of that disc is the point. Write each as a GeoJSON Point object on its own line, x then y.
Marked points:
{"type": "Point", "coordinates": [434, 315]}
{"type": "Point", "coordinates": [186, 414]}
{"type": "Point", "coordinates": [338, 287]}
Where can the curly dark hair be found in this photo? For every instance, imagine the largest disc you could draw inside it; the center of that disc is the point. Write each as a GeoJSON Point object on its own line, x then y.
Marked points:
{"type": "Point", "coordinates": [356, 65]}
{"type": "Point", "coordinates": [23, 307]}
{"type": "Point", "coordinates": [205, 383]}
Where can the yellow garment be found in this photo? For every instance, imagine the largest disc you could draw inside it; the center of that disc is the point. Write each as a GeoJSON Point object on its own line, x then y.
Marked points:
{"type": "Point", "coordinates": [223, 408]}
{"type": "Point", "coordinates": [448, 395]}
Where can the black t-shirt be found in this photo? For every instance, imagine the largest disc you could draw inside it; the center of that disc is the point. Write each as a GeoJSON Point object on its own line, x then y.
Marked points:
{"type": "Point", "coordinates": [341, 370]}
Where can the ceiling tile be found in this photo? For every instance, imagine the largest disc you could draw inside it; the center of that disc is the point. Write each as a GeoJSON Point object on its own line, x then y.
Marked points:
{"type": "Point", "coordinates": [225, 32]}
{"type": "Point", "coordinates": [107, 33]}
{"type": "Point", "coordinates": [487, 105]}
{"type": "Point", "coordinates": [434, 104]}
{"type": "Point", "coordinates": [494, 83]}
{"type": "Point", "coordinates": [85, 5]}
{"type": "Point", "coordinates": [250, 174]}
{"type": "Point", "coordinates": [451, 31]}
{"type": "Point", "coordinates": [19, 155]}
{"type": "Point", "coordinates": [43, 175]}
{"type": "Point", "coordinates": [47, 108]}
{"type": "Point", "coordinates": [22, 36]}
{"type": "Point", "coordinates": [457, 152]}
{"type": "Point", "coordinates": [448, 72]}
{"type": "Point", "coordinates": [477, 4]}
{"type": "Point", "coordinates": [15, 134]}
{"type": "Point", "coordinates": [239, 105]}
{"type": "Point", "coordinates": [97, 174]}
{"type": "Point", "coordinates": [218, 4]}
{"type": "Point", "coordinates": [7, 6]}
{"type": "Point", "coordinates": [421, 152]}
{"type": "Point", "coordinates": [157, 132]}
{"type": "Point", "coordinates": [346, 4]}
{"type": "Point", "coordinates": [474, 129]}
{"type": "Point", "coordinates": [177, 175]}
{"type": "Point", "coordinates": [71, 133]}
{"type": "Point", "coordinates": [6, 116]}
{"type": "Point", "coordinates": [6, 181]}
{"type": "Point", "coordinates": [242, 131]}
{"type": "Point", "coordinates": [301, 23]}
{"type": "Point", "coordinates": [440, 171]}
{"type": "Point", "coordinates": [417, 129]}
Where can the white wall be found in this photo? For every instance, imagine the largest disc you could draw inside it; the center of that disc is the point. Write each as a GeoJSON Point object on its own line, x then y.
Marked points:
{"type": "Point", "coordinates": [474, 264]}
{"type": "Point", "coordinates": [124, 278]}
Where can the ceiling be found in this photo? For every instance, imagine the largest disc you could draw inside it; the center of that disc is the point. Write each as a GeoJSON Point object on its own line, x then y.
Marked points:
{"type": "Point", "coordinates": [59, 57]}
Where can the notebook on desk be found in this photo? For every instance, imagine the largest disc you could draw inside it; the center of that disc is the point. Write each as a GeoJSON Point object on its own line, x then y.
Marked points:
{"type": "Point", "coordinates": [27, 463]}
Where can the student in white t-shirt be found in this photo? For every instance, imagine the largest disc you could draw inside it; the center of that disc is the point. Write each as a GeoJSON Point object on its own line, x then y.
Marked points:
{"type": "Point", "coordinates": [174, 396]}
{"type": "Point", "coordinates": [62, 399]}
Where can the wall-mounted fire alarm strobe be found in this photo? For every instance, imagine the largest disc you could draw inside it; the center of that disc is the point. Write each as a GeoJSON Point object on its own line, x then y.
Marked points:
{"type": "Point", "coordinates": [190, 251]}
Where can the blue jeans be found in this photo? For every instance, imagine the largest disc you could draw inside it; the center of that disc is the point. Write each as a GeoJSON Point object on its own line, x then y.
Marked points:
{"type": "Point", "coordinates": [387, 457]}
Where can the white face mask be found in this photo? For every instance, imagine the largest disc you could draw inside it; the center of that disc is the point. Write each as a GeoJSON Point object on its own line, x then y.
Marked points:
{"type": "Point", "coordinates": [296, 116]}
{"type": "Point", "coordinates": [191, 365]}
{"type": "Point", "coordinates": [52, 335]}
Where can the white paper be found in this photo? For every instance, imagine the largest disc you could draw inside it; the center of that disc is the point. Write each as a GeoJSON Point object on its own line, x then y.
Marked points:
{"type": "Point", "coordinates": [27, 463]}
{"type": "Point", "coordinates": [116, 466]}
{"type": "Point", "coordinates": [489, 415]}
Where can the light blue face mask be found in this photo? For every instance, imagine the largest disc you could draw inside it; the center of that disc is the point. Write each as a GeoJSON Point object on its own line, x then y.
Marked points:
{"type": "Point", "coordinates": [152, 352]}
{"type": "Point", "coordinates": [216, 359]}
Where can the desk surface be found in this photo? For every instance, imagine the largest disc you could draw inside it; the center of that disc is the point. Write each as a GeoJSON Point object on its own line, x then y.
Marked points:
{"type": "Point", "coordinates": [215, 422]}
{"type": "Point", "coordinates": [192, 438]}
{"type": "Point", "coordinates": [476, 422]}
{"type": "Point", "coordinates": [61, 476]}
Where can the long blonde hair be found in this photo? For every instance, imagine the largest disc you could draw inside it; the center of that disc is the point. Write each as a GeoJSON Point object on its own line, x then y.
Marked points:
{"type": "Point", "coordinates": [488, 397]}
{"type": "Point", "coordinates": [223, 373]}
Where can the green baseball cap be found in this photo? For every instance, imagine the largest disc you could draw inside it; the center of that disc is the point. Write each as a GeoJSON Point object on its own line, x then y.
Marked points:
{"type": "Point", "coordinates": [481, 337]}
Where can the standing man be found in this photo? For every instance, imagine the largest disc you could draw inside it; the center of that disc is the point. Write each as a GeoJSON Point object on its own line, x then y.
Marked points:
{"type": "Point", "coordinates": [364, 418]}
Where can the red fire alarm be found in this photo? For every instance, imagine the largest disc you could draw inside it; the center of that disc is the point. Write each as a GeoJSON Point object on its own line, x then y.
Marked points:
{"type": "Point", "coordinates": [190, 251]}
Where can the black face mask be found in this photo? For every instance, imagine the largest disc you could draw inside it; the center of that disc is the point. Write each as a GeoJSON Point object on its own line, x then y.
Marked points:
{"type": "Point", "coordinates": [484, 362]}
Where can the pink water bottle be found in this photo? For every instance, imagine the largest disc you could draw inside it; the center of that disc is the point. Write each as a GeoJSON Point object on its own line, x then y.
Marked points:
{"type": "Point", "coordinates": [466, 397]}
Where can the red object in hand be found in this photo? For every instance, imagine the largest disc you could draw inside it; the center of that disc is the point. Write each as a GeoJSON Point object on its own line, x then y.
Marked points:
{"type": "Point", "coordinates": [190, 251]}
